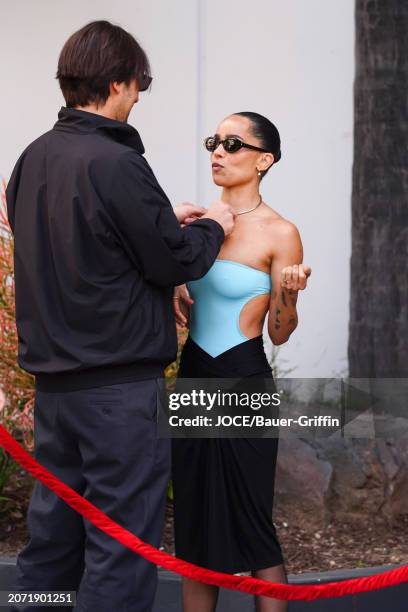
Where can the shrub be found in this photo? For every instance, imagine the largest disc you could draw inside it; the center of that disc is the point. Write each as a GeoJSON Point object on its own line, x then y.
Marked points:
{"type": "Point", "coordinates": [17, 385]}
{"type": "Point", "coordinates": [16, 407]}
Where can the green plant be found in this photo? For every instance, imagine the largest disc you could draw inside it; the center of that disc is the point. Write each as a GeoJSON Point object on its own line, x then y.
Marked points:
{"type": "Point", "coordinates": [16, 410]}
{"type": "Point", "coordinates": [7, 467]}
{"type": "Point", "coordinates": [171, 371]}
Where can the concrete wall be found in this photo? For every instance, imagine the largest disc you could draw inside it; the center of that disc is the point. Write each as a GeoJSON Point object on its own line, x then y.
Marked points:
{"type": "Point", "coordinates": [292, 61]}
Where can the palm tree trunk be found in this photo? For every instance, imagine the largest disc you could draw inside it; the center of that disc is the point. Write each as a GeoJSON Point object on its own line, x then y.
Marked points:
{"type": "Point", "coordinates": [378, 331]}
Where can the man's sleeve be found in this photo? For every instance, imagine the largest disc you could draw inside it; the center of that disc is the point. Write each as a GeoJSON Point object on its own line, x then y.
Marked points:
{"type": "Point", "coordinates": [11, 191]}
{"type": "Point", "coordinates": [165, 253]}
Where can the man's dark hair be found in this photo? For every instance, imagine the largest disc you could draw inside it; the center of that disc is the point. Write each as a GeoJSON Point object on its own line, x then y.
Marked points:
{"type": "Point", "coordinates": [267, 133]}
{"type": "Point", "coordinates": [98, 54]}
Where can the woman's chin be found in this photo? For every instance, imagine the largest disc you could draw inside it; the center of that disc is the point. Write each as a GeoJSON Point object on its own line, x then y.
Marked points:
{"type": "Point", "coordinates": [218, 181]}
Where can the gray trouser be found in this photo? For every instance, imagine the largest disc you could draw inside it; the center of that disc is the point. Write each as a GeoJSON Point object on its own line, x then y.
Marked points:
{"type": "Point", "coordinates": [103, 443]}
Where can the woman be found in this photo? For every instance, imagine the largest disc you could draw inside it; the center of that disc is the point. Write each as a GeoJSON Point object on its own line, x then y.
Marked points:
{"type": "Point", "coordinates": [223, 508]}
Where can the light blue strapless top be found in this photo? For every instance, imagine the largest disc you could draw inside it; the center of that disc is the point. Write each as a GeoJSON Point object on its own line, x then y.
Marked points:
{"type": "Point", "coordinates": [219, 297]}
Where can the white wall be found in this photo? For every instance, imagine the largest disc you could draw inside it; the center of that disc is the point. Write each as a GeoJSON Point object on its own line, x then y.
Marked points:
{"type": "Point", "coordinates": [292, 61]}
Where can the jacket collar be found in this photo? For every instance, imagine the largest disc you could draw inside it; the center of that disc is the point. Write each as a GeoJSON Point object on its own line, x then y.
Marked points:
{"type": "Point", "coordinates": [74, 120]}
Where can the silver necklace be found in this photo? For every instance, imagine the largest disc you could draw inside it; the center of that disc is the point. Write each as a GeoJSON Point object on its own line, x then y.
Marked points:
{"type": "Point", "coordinates": [250, 209]}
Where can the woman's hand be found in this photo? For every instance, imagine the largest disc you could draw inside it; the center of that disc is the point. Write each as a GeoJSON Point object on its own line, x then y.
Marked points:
{"type": "Point", "coordinates": [295, 277]}
{"type": "Point", "coordinates": [182, 302]}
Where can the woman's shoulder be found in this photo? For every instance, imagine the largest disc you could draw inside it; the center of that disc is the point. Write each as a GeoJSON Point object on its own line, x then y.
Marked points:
{"type": "Point", "coordinates": [278, 225]}
{"type": "Point", "coordinates": [281, 235]}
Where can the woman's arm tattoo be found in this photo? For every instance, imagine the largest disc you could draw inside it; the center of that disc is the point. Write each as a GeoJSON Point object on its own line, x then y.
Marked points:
{"type": "Point", "coordinates": [277, 320]}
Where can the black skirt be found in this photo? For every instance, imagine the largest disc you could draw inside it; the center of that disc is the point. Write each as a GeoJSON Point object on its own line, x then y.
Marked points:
{"type": "Point", "coordinates": [223, 488]}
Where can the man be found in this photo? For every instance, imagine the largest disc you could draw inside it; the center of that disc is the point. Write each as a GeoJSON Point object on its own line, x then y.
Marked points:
{"type": "Point", "coordinates": [98, 250]}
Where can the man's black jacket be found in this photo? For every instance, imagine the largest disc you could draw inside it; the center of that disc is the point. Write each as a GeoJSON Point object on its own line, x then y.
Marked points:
{"type": "Point", "coordinates": [98, 250]}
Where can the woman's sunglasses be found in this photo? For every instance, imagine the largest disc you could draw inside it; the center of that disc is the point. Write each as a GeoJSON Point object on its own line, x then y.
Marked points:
{"type": "Point", "coordinates": [231, 144]}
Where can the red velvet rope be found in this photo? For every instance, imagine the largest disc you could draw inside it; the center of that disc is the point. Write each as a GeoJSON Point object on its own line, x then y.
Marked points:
{"type": "Point", "coordinates": [250, 585]}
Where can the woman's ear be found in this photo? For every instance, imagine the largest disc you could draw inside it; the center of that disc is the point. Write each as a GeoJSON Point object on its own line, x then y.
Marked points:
{"type": "Point", "coordinates": [266, 161]}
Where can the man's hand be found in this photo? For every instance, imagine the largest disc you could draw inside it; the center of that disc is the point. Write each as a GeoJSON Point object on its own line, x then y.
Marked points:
{"type": "Point", "coordinates": [182, 302]}
{"type": "Point", "coordinates": [187, 213]}
{"type": "Point", "coordinates": [223, 213]}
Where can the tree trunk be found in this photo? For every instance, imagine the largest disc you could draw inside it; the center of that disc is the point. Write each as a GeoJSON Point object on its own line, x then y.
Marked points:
{"type": "Point", "coordinates": [378, 331]}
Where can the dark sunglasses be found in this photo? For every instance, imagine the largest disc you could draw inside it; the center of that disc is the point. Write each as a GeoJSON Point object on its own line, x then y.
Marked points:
{"type": "Point", "coordinates": [231, 144]}
{"type": "Point", "coordinates": [144, 82]}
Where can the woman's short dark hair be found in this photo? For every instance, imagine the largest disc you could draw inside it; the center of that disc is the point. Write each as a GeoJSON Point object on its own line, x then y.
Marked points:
{"type": "Point", "coordinates": [94, 56]}
{"type": "Point", "coordinates": [266, 132]}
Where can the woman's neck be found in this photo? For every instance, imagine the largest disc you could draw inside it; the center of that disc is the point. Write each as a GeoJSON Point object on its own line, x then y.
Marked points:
{"type": "Point", "coordinates": [241, 197]}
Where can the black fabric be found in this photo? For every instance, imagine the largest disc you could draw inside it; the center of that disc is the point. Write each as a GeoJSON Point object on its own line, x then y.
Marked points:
{"type": "Point", "coordinates": [103, 443]}
{"type": "Point", "coordinates": [224, 488]}
{"type": "Point", "coordinates": [98, 250]}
